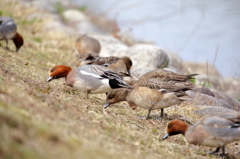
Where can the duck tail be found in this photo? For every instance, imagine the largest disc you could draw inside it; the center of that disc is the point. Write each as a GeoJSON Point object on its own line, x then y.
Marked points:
{"type": "Point", "coordinates": [125, 85]}
{"type": "Point", "coordinates": [185, 98]}
{"type": "Point", "coordinates": [119, 83]}
{"type": "Point", "coordinates": [190, 76]}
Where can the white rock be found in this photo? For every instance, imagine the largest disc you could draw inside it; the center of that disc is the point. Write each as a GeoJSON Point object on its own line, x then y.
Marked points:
{"type": "Point", "coordinates": [73, 15]}
{"type": "Point", "coordinates": [57, 29]}
{"type": "Point", "coordinates": [86, 27]}
{"type": "Point", "coordinates": [148, 56]}
{"type": "Point", "coordinates": [111, 46]}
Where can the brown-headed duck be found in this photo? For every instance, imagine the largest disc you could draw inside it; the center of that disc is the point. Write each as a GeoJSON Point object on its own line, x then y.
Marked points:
{"type": "Point", "coordinates": [8, 31]}
{"type": "Point", "coordinates": [213, 130]}
{"type": "Point", "coordinates": [89, 78]}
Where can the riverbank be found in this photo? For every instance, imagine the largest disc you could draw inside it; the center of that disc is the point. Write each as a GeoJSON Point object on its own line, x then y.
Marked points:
{"type": "Point", "coordinates": [52, 120]}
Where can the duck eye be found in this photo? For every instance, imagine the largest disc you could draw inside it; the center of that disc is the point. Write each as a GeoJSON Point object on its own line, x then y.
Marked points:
{"type": "Point", "coordinates": [169, 126]}
{"type": "Point", "coordinates": [110, 97]}
{"type": "Point", "coordinates": [53, 69]}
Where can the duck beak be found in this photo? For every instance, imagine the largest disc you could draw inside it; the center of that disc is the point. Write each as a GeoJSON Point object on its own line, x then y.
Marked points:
{"type": "Point", "coordinates": [49, 79]}
{"type": "Point", "coordinates": [106, 105]}
{"type": "Point", "coordinates": [165, 136]}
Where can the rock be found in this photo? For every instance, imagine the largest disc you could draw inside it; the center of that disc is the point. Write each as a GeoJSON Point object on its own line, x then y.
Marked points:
{"type": "Point", "coordinates": [234, 104]}
{"type": "Point", "coordinates": [74, 15]}
{"type": "Point", "coordinates": [87, 44]}
{"type": "Point", "coordinates": [57, 29]}
{"type": "Point", "coordinates": [111, 46]}
{"type": "Point", "coordinates": [175, 62]}
{"type": "Point", "coordinates": [208, 110]}
{"type": "Point", "coordinates": [85, 27]}
{"type": "Point", "coordinates": [148, 56]}
{"type": "Point", "coordinates": [138, 72]}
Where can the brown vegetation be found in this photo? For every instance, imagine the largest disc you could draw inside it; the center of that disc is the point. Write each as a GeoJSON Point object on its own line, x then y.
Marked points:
{"type": "Point", "coordinates": [51, 120]}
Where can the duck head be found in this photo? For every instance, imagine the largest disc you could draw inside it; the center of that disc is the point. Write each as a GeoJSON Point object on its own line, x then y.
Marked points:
{"type": "Point", "coordinates": [59, 71]}
{"type": "Point", "coordinates": [115, 96]}
{"type": "Point", "coordinates": [18, 41]}
{"type": "Point", "coordinates": [175, 127]}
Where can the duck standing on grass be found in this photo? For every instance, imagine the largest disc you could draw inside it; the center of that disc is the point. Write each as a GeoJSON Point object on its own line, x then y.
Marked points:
{"type": "Point", "coordinates": [89, 78]}
{"type": "Point", "coordinates": [8, 31]}
{"type": "Point", "coordinates": [157, 89]}
{"type": "Point", "coordinates": [212, 130]}
{"type": "Point", "coordinates": [144, 96]}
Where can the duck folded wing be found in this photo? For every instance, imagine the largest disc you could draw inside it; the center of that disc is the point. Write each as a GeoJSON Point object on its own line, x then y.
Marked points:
{"type": "Point", "coordinates": [170, 87]}
{"type": "Point", "coordinates": [102, 72]}
{"type": "Point", "coordinates": [222, 120]}
{"type": "Point", "coordinates": [166, 76]}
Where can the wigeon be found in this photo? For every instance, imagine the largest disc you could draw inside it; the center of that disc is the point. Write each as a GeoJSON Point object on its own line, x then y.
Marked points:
{"type": "Point", "coordinates": [212, 130]}
{"type": "Point", "coordinates": [8, 31]}
{"type": "Point", "coordinates": [166, 76]}
{"type": "Point", "coordinates": [87, 44]}
{"type": "Point", "coordinates": [148, 98]}
{"type": "Point", "coordinates": [89, 78]}
{"type": "Point", "coordinates": [86, 58]}
{"type": "Point", "coordinates": [117, 64]}
{"type": "Point", "coordinates": [156, 83]}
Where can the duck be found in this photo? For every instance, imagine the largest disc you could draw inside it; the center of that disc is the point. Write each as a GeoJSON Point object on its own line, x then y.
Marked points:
{"type": "Point", "coordinates": [162, 75]}
{"type": "Point", "coordinates": [166, 76]}
{"type": "Point", "coordinates": [86, 58]}
{"type": "Point", "coordinates": [157, 83]}
{"type": "Point", "coordinates": [118, 64]}
{"type": "Point", "coordinates": [215, 130]}
{"type": "Point", "coordinates": [8, 31]}
{"type": "Point", "coordinates": [89, 78]}
{"type": "Point", "coordinates": [87, 44]}
{"type": "Point", "coordinates": [145, 96]}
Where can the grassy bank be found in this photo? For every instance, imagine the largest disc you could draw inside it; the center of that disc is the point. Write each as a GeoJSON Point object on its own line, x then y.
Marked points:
{"type": "Point", "coordinates": [51, 120]}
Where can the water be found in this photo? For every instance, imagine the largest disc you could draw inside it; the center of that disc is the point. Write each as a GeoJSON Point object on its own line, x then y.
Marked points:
{"type": "Point", "coordinates": [197, 30]}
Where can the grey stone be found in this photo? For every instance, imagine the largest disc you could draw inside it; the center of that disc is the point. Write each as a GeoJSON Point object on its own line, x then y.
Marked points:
{"type": "Point", "coordinates": [74, 15]}
{"type": "Point", "coordinates": [111, 46]}
{"type": "Point", "coordinates": [148, 56]}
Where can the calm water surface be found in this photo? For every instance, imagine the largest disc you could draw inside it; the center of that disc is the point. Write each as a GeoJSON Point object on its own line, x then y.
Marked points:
{"type": "Point", "coordinates": [197, 30]}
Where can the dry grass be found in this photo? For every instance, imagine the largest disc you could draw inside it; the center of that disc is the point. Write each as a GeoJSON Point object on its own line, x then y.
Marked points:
{"type": "Point", "coordinates": [51, 120]}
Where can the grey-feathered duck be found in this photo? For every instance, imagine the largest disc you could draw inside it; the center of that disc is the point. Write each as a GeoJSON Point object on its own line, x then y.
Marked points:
{"type": "Point", "coordinates": [212, 130]}
{"type": "Point", "coordinates": [89, 78]}
{"type": "Point", "coordinates": [8, 31]}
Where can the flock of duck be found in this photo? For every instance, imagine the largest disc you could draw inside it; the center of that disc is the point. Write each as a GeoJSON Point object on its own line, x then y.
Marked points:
{"type": "Point", "coordinates": [157, 89]}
